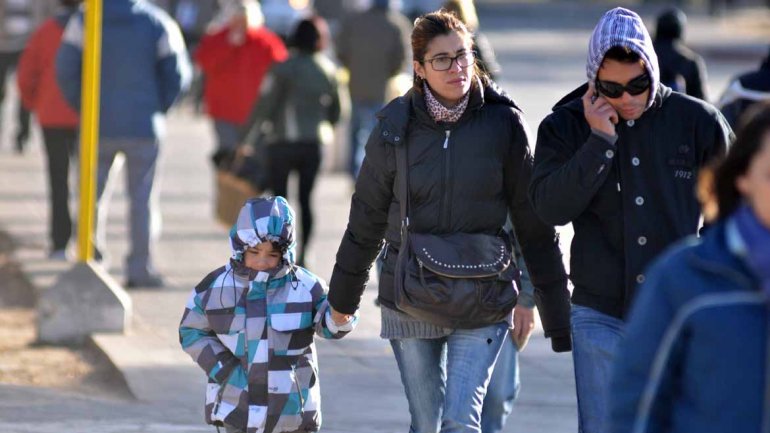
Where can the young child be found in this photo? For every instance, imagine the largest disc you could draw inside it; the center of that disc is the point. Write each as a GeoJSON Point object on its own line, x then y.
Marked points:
{"type": "Point", "coordinates": [250, 325]}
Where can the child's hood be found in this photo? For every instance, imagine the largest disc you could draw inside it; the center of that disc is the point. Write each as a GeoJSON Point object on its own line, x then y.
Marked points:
{"type": "Point", "coordinates": [264, 219]}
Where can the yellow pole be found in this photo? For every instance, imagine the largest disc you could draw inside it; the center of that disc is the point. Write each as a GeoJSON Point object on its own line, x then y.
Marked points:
{"type": "Point", "coordinates": [89, 126]}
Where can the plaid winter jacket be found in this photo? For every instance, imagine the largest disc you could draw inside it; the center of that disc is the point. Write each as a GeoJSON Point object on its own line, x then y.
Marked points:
{"type": "Point", "coordinates": [253, 336]}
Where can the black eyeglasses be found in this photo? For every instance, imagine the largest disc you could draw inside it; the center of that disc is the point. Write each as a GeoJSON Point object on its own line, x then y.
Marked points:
{"type": "Point", "coordinates": [444, 63]}
{"type": "Point", "coordinates": [613, 90]}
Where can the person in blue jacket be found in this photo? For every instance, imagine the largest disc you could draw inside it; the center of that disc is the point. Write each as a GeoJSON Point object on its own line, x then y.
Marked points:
{"type": "Point", "coordinates": [144, 69]}
{"type": "Point", "coordinates": [696, 353]}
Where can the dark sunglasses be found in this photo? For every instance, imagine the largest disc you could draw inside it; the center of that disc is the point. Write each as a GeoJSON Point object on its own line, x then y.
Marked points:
{"type": "Point", "coordinates": [613, 90]}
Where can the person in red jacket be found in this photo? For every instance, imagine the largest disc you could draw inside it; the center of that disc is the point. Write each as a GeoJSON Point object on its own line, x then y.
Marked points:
{"type": "Point", "coordinates": [234, 58]}
{"type": "Point", "coordinates": [40, 93]}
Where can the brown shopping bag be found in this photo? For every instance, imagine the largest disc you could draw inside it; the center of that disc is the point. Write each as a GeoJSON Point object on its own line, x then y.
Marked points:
{"type": "Point", "coordinates": [240, 175]}
{"type": "Point", "coordinates": [232, 191]}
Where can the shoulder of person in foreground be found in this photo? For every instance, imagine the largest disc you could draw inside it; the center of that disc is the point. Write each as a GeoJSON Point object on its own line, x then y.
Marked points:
{"type": "Point", "coordinates": [322, 319]}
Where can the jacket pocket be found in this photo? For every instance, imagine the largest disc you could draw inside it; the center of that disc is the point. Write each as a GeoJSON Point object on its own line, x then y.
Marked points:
{"type": "Point", "coordinates": [291, 333]}
{"type": "Point", "coordinates": [222, 400]}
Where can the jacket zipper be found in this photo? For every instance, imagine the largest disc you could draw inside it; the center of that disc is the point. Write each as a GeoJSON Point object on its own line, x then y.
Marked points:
{"type": "Point", "coordinates": [446, 205]}
{"type": "Point", "coordinates": [299, 390]}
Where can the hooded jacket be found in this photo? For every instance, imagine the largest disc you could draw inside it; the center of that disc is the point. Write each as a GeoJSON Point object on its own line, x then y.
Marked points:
{"type": "Point", "coordinates": [144, 68]}
{"type": "Point", "coordinates": [696, 354]}
{"type": "Point", "coordinates": [252, 332]}
{"type": "Point", "coordinates": [463, 177]}
{"type": "Point", "coordinates": [629, 200]}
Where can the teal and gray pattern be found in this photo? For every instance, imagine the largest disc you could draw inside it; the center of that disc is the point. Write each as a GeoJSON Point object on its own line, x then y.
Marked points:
{"type": "Point", "coordinates": [254, 336]}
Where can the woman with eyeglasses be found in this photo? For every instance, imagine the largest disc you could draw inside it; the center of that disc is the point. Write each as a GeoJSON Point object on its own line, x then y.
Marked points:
{"type": "Point", "coordinates": [467, 155]}
{"type": "Point", "coordinates": [696, 357]}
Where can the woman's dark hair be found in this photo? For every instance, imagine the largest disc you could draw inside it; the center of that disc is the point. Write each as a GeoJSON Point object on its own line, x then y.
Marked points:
{"type": "Point", "coordinates": [429, 26]}
{"type": "Point", "coordinates": [311, 35]}
{"type": "Point", "coordinates": [721, 193]}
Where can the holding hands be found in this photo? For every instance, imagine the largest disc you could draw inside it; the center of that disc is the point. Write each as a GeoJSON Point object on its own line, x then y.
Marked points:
{"type": "Point", "coordinates": [338, 318]}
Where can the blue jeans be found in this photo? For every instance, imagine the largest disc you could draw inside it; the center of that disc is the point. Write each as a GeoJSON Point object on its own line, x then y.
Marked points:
{"type": "Point", "coordinates": [503, 389]}
{"type": "Point", "coordinates": [362, 121]}
{"type": "Point", "coordinates": [595, 337]}
{"type": "Point", "coordinates": [445, 379]}
{"type": "Point", "coordinates": [505, 384]}
{"type": "Point", "coordinates": [141, 157]}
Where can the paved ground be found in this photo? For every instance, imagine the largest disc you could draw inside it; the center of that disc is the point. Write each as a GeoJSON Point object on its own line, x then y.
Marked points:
{"type": "Point", "coordinates": [542, 50]}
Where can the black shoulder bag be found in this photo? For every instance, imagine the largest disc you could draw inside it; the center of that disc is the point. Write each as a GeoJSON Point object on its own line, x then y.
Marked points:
{"type": "Point", "coordinates": [456, 280]}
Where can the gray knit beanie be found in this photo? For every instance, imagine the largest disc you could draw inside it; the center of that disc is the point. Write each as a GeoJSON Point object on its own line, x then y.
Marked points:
{"type": "Point", "coordinates": [624, 28]}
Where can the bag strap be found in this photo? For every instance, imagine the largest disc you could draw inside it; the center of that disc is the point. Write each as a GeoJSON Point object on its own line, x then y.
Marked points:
{"type": "Point", "coordinates": [402, 172]}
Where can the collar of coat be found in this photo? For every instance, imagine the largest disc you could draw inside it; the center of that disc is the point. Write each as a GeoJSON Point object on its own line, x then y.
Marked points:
{"type": "Point", "coordinates": [397, 114]}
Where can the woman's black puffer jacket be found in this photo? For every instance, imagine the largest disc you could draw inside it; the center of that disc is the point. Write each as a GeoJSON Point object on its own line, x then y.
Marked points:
{"type": "Point", "coordinates": [463, 177]}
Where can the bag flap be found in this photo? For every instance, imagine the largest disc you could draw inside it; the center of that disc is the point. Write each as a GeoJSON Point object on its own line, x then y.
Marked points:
{"type": "Point", "coordinates": [461, 255]}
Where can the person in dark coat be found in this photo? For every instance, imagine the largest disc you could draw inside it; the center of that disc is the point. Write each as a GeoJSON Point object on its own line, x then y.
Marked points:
{"type": "Point", "coordinates": [40, 93]}
{"type": "Point", "coordinates": [681, 68]}
{"type": "Point", "coordinates": [618, 158]}
{"type": "Point", "coordinates": [744, 91]}
{"type": "Point", "coordinates": [372, 45]}
{"type": "Point", "coordinates": [469, 166]}
{"type": "Point", "coordinates": [695, 357]}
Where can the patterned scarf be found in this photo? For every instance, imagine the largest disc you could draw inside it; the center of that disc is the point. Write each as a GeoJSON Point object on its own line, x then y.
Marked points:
{"type": "Point", "coordinates": [756, 238]}
{"type": "Point", "coordinates": [438, 112]}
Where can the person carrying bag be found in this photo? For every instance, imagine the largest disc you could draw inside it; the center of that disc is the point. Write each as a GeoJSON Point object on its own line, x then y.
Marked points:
{"type": "Point", "coordinates": [456, 280]}
{"type": "Point", "coordinates": [460, 146]}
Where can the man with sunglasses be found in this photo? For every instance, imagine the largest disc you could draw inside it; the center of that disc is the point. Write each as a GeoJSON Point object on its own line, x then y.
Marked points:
{"type": "Point", "coordinates": [619, 158]}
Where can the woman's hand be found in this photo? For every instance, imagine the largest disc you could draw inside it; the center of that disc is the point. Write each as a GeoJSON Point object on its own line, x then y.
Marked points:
{"type": "Point", "coordinates": [523, 324]}
{"type": "Point", "coordinates": [340, 318]}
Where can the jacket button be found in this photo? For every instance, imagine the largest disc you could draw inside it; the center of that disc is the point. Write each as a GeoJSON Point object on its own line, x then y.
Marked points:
{"type": "Point", "coordinates": [635, 161]}
{"type": "Point", "coordinates": [642, 240]}
{"type": "Point", "coordinates": [609, 153]}
{"type": "Point", "coordinates": [630, 123]}
{"type": "Point", "coordinates": [640, 278]}
{"type": "Point", "coordinates": [385, 133]}
{"type": "Point", "coordinates": [396, 138]}
{"type": "Point", "coordinates": [639, 201]}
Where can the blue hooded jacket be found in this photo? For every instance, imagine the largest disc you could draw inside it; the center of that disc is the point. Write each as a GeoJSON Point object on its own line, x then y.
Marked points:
{"type": "Point", "coordinates": [144, 67]}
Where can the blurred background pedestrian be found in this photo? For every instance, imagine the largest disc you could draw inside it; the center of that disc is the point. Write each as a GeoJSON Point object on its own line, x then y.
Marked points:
{"type": "Point", "coordinates": [373, 46]}
{"type": "Point", "coordinates": [234, 57]}
{"type": "Point", "coordinates": [744, 91]}
{"type": "Point", "coordinates": [40, 93]}
{"type": "Point", "coordinates": [18, 20]}
{"type": "Point", "coordinates": [144, 69]}
{"type": "Point", "coordinates": [292, 121]}
{"type": "Point", "coordinates": [681, 68]}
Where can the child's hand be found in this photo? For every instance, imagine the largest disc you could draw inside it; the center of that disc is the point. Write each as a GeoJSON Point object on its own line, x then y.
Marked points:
{"type": "Point", "coordinates": [340, 318]}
